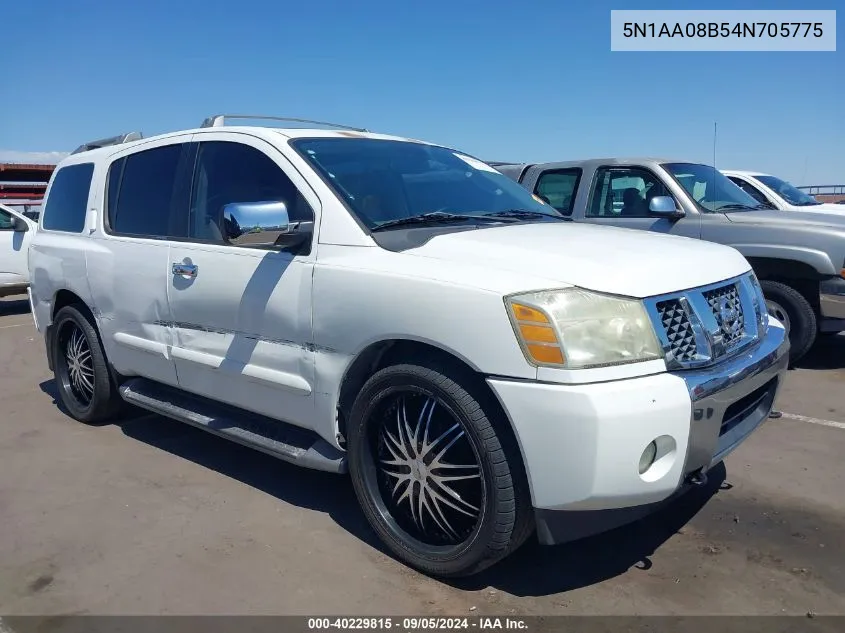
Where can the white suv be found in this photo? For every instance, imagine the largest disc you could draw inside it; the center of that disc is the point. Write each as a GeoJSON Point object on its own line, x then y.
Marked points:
{"type": "Point", "coordinates": [362, 303]}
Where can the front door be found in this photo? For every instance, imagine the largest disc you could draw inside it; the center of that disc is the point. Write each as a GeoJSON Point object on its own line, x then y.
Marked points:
{"type": "Point", "coordinates": [242, 315]}
{"type": "Point", "coordinates": [620, 197]}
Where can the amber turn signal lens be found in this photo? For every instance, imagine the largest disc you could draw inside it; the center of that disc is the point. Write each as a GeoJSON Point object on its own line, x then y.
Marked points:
{"type": "Point", "coordinates": [537, 335]}
{"type": "Point", "coordinates": [524, 313]}
{"type": "Point", "coordinates": [546, 354]}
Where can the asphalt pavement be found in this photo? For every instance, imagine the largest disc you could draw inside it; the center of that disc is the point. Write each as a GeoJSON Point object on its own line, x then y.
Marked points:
{"type": "Point", "coordinates": [150, 516]}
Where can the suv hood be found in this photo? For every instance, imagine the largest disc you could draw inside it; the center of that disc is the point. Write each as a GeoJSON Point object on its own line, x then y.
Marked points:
{"type": "Point", "coordinates": [773, 216]}
{"type": "Point", "coordinates": [605, 259]}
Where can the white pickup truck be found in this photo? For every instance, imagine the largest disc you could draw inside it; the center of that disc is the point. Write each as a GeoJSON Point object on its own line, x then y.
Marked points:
{"type": "Point", "coordinates": [15, 235]}
{"type": "Point", "coordinates": [483, 368]}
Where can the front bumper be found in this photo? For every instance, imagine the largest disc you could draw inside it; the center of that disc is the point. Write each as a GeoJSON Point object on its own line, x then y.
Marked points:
{"type": "Point", "coordinates": [581, 444]}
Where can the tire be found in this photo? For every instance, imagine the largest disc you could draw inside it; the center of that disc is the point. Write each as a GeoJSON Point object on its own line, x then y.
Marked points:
{"type": "Point", "coordinates": [495, 515]}
{"type": "Point", "coordinates": [789, 305]}
{"type": "Point", "coordinates": [82, 376]}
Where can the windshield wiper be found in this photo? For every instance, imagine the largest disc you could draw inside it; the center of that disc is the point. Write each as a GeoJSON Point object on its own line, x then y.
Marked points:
{"type": "Point", "coordinates": [524, 214]}
{"type": "Point", "coordinates": [807, 204]}
{"type": "Point", "coordinates": [434, 217]}
{"type": "Point", "coordinates": [737, 206]}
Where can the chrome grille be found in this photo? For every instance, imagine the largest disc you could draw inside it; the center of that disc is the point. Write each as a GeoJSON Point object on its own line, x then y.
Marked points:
{"type": "Point", "coordinates": [727, 308]}
{"type": "Point", "coordinates": [676, 324]}
{"type": "Point", "coordinates": [704, 325]}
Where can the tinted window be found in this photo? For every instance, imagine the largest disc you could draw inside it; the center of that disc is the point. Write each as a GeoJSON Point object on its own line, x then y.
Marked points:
{"type": "Point", "coordinates": [384, 180]}
{"type": "Point", "coordinates": [788, 192]}
{"type": "Point", "coordinates": [749, 189]}
{"type": "Point", "coordinates": [231, 172]}
{"type": "Point", "coordinates": [558, 187]}
{"type": "Point", "coordinates": [68, 198]}
{"type": "Point", "coordinates": [624, 192]}
{"type": "Point", "coordinates": [5, 221]}
{"type": "Point", "coordinates": [112, 188]}
{"type": "Point", "coordinates": [147, 202]}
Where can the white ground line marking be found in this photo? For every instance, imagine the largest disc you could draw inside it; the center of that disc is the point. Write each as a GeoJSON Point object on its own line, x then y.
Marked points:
{"type": "Point", "coordinates": [804, 418]}
{"type": "Point", "coordinates": [5, 327]}
{"type": "Point", "coordinates": [4, 628]}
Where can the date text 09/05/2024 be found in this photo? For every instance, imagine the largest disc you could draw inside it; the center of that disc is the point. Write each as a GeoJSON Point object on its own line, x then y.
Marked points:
{"type": "Point", "coordinates": [417, 623]}
{"type": "Point", "coordinates": [723, 29]}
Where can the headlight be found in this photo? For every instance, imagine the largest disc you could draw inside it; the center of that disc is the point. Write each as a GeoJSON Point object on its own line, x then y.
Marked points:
{"type": "Point", "coordinates": [576, 329]}
{"type": "Point", "coordinates": [759, 303]}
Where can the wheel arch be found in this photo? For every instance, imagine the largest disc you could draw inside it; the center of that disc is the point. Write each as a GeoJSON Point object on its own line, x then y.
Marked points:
{"type": "Point", "coordinates": [384, 353]}
{"type": "Point", "coordinates": [794, 273]}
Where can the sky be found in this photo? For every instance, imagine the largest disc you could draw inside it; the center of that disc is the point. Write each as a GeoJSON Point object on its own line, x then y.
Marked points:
{"type": "Point", "coordinates": [512, 81]}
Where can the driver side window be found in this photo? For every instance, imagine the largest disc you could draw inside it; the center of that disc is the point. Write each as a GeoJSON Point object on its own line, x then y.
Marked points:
{"type": "Point", "coordinates": [750, 189]}
{"type": "Point", "coordinates": [624, 192]}
{"type": "Point", "coordinates": [229, 172]}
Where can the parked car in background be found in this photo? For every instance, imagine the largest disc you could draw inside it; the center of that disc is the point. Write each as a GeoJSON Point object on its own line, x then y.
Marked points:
{"type": "Point", "coordinates": [799, 257]}
{"type": "Point", "coordinates": [346, 300]}
{"type": "Point", "coordinates": [15, 236]}
{"type": "Point", "coordinates": [777, 193]}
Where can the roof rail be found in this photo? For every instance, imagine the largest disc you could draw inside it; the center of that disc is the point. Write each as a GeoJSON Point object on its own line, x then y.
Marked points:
{"type": "Point", "coordinates": [219, 120]}
{"type": "Point", "coordinates": [105, 142]}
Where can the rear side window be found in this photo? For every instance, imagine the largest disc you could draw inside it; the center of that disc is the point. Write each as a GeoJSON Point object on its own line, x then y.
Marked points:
{"type": "Point", "coordinates": [68, 199]}
{"type": "Point", "coordinates": [558, 187]}
{"type": "Point", "coordinates": [143, 197]}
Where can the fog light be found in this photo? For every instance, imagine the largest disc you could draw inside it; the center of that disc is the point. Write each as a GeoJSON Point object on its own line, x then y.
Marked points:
{"type": "Point", "coordinates": [647, 458]}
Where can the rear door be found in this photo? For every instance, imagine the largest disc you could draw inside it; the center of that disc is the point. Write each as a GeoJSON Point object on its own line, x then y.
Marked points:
{"type": "Point", "coordinates": [242, 315]}
{"type": "Point", "coordinates": [145, 206]}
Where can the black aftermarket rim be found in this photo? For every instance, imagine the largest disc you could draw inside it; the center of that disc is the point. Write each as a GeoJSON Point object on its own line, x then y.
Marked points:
{"type": "Point", "coordinates": [75, 364]}
{"type": "Point", "coordinates": [425, 469]}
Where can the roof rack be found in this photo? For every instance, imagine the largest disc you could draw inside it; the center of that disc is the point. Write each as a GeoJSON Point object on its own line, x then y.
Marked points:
{"type": "Point", "coordinates": [219, 120]}
{"type": "Point", "coordinates": [105, 142]}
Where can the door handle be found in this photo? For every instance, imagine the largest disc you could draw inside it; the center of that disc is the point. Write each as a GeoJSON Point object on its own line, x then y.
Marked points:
{"type": "Point", "coordinates": [185, 270]}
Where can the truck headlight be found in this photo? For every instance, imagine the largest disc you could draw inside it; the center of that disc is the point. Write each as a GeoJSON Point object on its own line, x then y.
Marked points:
{"type": "Point", "coordinates": [575, 329]}
{"type": "Point", "coordinates": [759, 301]}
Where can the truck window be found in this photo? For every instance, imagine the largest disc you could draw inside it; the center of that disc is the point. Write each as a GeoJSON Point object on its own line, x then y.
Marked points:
{"type": "Point", "coordinates": [750, 189]}
{"type": "Point", "coordinates": [229, 172]}
{"type": "Point", "coordinates": [711, 189]}
{"type": "Point", "coordinates": [6, 223]}
{"type": "Point", "coordinates": [623, 192]}
{"type": "Point", "coordinates": [559, 187]}
{"type": "Point", "coordinates": [67, 201]}
{"type": "Point", "coordinates": [142, 195]}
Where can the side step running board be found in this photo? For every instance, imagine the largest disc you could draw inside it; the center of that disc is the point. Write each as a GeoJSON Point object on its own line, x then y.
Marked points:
{"type": "Point", "coordinates": [284, 441]}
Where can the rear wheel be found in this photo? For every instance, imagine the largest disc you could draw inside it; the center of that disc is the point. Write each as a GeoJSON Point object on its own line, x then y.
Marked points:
{"type": "Point", "coordinates": [79, 365]}
{"type": "Point", "coordinates": [436, 478]}
{"type": "Point", "coordinates": [790, 307]}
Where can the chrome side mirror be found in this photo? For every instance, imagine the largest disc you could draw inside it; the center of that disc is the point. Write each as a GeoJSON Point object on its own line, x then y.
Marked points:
{"type": "Point", "coordinates": [255, 224]}
{"type": "Point", "coordinates": [664, 207]}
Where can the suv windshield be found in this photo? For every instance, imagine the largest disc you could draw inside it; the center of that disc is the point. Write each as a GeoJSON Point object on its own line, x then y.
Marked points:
{"type": "Point", "coordinates": [789, 193]}
{"type": "Point", "coordinates": [384, 181]}
{"type": "Point", "coordinates": [710, 188]}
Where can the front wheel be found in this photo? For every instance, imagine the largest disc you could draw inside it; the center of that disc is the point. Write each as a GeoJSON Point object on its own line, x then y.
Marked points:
{"type": "Point", "coordinates": [790, 307]}
{"type": "Point", "coordinates": [435, 477]}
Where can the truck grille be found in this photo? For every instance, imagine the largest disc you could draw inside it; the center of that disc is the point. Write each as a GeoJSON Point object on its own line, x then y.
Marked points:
{"type": "Point", "coordinates": [727, 308]}
{"type": "Point", "coordinates": [704, 325]}
{"type": "Point", "coordinates": [676, 324]}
